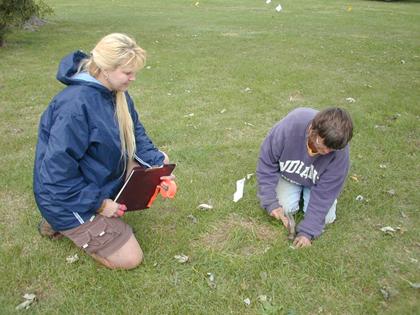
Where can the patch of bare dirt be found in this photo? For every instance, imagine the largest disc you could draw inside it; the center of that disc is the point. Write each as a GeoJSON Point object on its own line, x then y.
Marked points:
{"type": "Point", "coordinates": [240, 236]}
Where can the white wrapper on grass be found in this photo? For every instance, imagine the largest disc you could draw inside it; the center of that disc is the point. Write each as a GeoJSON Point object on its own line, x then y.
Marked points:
{"type": "Point", "coordinates": [239, 193]}
{"type": "Point", "coordinates": [268, 1]}
{"type": "Point", "coordinates": [247, 302]}
{"type": "Point", "coordinates": [350, 100]}
{"type": "Point", "coordinates": [279, 8]}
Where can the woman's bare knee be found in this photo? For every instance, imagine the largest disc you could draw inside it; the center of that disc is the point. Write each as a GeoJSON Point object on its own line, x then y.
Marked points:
{"type": "Point", "coordinates": [129, 256]}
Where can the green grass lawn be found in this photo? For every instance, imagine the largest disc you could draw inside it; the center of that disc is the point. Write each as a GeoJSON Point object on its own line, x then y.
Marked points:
{"type": "Point", "coordinates": [239, 67]}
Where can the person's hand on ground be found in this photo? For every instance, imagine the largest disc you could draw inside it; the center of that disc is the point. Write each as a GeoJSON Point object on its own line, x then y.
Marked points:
{"type": "Point", "coordinates": [301, 241]}
{"type": "Point", "coordinates": [279, 215]}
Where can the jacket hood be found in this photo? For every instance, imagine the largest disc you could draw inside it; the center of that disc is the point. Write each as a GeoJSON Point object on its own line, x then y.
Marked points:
{"type": "Point", "coordinates": [68, 68]}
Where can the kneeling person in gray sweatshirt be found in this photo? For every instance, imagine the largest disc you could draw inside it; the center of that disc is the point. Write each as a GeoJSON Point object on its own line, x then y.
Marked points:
{"type": "Point", "coordinates": [305, 155]}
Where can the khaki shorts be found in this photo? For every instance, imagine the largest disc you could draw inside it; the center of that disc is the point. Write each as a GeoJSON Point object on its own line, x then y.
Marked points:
{"type": "Point", "coordinates": [102, 236]}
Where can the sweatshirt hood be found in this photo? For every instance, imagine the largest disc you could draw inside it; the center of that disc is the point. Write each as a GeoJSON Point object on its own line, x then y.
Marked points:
{"type": "Point", "coordinates": [67, 71]}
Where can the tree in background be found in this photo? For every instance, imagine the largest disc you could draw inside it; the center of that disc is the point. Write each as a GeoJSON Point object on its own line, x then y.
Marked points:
{"type": "Point", "coordinates": [14, 13]}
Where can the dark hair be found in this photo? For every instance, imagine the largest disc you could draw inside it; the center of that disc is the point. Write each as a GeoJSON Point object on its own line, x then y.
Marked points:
{"type": "Point", "coordinates": [335, 126]}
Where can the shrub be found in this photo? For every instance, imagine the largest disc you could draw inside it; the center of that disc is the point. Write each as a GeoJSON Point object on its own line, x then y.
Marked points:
{"type": "Point", "coordinates": [14, 13]}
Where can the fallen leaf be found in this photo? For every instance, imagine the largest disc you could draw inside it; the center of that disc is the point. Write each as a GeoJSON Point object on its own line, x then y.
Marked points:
{"type": "Point", "coordinates": [181, 258]}
{"type": "Point", "coordinates": [16, 130]}
{"type": "Point", "coordinates": [29, 299]}
{"type": "Point", "coordinates": [263, 275]}
{"type": "Point", "coordinates": [380, 127]}
{"type": "Point", "coordinates": [385, 293]}
{"type": "Point", "coordinates": [395, 117]}
{"type": "Point", "coordinates": [205, 206]}
{"type": "Point", "coordinates": [262, 298]}
{"type": "Point", "coordinates": [193, 218]}
{"type": "Point", "coordinates": [391, 192]}
{"type": "Point", "coordinates": [415, 285]}
{"type": "Point", "coordinates": [354, 177]}
{"type": "Point", "coordinates": [211, 280]}
{"type": "Point", "coordinates": [388, 229]}
{"type": "Point", "coordinates": [72, 258]}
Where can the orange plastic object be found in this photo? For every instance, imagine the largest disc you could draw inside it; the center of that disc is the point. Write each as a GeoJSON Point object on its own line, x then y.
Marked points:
{"type": "Point", "coordinates": [167, 189]}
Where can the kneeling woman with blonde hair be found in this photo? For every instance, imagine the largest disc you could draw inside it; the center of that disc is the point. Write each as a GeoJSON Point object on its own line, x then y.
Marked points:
{"type": "Point", "coordinates": [89, 135]}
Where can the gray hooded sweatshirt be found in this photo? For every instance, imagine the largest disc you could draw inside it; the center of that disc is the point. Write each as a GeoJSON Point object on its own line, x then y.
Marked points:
{"type": "Point", "coordinates": [284, 153]}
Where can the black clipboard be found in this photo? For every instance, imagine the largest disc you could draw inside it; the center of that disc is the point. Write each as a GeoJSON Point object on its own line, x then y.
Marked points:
{"type": "Point", "coordinates": [141, 185]}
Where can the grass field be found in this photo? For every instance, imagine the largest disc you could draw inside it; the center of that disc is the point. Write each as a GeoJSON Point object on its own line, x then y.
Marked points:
{"type": "Point", "coordinates": [238, 66]}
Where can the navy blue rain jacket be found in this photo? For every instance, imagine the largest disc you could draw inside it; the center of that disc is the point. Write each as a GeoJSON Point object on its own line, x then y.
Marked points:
{"type": "Point", "coordinates": [78, 155]}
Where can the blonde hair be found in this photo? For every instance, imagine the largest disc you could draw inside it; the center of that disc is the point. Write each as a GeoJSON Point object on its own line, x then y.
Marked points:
{"type": "Point", "coordinates": [113, 51]}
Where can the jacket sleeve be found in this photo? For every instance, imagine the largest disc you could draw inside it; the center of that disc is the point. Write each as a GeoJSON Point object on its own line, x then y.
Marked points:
{"type": "Point", "coordinates": [268, 171]}
{"type": "Point", "coordinates": [323, 195]}
{"type": "Point", "coordinates": [59, 170]}
{"type": "Point", "coordinates": [146, 151]}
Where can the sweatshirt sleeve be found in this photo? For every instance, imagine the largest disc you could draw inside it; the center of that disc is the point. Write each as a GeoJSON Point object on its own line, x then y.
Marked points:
{"type": "Point", "coordinates": [60, 172]}
{"type": "Point", "coordinates": [323, 195]}
{"type": "Point", "coordinates": [145, 149]}
{"type": "Point", "coordinates": [268, 171]}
